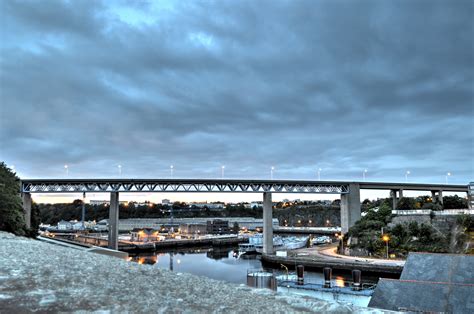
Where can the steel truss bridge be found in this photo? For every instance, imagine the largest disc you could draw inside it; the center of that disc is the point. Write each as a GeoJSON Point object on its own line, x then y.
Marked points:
{"type": "Point", "coordinates": [349, 191]}
{"type": "Point", "coordinates": [181, 185]}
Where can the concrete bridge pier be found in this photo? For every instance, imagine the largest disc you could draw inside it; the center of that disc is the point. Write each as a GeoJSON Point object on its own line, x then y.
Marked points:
{"type": "Point", "coordinates": [267, 223]}
{"type": "Point", "coordinates": [437, 196]}
{"type": "Point", "coordinates": [395, 197]}
{"type": "Point", "coordinates": [26, 198]}
{"type": "Point", "coordinates": [350, 207]}
{"type": "Point", "coordinates": [113, 220]}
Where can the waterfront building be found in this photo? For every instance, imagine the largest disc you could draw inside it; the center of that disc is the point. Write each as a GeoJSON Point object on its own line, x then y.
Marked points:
{"type": "Point", "coordinates": [248, 223]}
{"type": "Point", "coordinates": [193, 228]}
{"type": "Point", "coordinates": [218, 226]}
{"type": "Point", "coordinates": [64, 225]}
{"type": "Point", "coordinates": [145, 235]}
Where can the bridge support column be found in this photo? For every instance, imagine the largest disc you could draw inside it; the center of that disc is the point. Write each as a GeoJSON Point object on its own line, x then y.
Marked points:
{"type": "Point", "coordinates": [470, 195]}
{"type": "Point", "coordinates": [395, 197]}
{"type": "Point", "coordinates": [437, 196]}
{"type": "Point", "coordinates": [113, 220]}
{"type": "Point", "coordinates": [26, 198]}
{"type": "Point", "coordinates": [350, 207]}
{"type": "Point", "coordinates": [267, 223]}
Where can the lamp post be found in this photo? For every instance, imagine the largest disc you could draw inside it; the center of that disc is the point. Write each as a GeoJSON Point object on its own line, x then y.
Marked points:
{"type": "Point", "coordinates": [171, 171]}
{"type": "Point", "coordinates": [319, 174]}
{"type": "Point", "coordinates": [222, 172]}
{"type": "Point", "coordinates": [406, 175]}
{"type": "Point", "coordinates": [66, 167]}
{"type": "Point", "coordinates": [447, 175]}
{"type": "Point", "coordinates": [386, 238]}
{"type": "Point", "coordinates": [363, 174]}
{"type": "Point", "coordinates": [341, 238]}
{"type": "Point", "coordinates": [119, 170]}
{"type": "Point", "coordinates": [271, 172]}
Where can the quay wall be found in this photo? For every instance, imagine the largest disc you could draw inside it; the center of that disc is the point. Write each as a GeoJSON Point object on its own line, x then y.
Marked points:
{"type": "Point", "coordinates": [392, 271]}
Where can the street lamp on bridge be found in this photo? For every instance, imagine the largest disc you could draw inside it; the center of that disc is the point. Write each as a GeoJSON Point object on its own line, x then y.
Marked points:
{"type": "Point", "coordinates": [406, 175]}
{"type": "Point", "coordinates": [319, 174]}
{"type": "Point", "coordinates": [222, 172]}
{"type": "Point", "coordinates": [363, 174]}
{"type": "Point", "coordinates": [66, 167]}
{"type": "Point", "coordinates": [171, 171]}
{"type": "Point", "coordinates": [119, 170]}
{"type": "Point", "coordinates": [271, 172]}
{"type": "Point", "coordinates": [447, 175]}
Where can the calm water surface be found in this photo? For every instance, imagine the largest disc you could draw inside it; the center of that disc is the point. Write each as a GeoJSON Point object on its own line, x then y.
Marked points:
{"type": "Point", "coordinates": [223, 264]}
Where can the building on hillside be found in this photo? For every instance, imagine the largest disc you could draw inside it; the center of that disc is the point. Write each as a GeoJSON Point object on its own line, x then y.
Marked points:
{"type": "Point", "coordinates": [99, 202]}
{"type": "Point", "coordinates": [218, 226]}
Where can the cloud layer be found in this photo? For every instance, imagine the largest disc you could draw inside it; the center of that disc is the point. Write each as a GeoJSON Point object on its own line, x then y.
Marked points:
{"type": "Point", "coordinates": [344, 86]}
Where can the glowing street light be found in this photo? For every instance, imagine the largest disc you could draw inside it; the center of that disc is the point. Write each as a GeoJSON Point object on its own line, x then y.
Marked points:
{"type": "Point", "coordinates": [406, 175]}
{"type": "Point", "coordinates": [386, 238]}
{"type": "Point", "coordinates": [271, 172]}
{"type": "Point", "coordinates": [447, 175]}
{"type": "Point", "coordinates": [222, 172]}
{"type": "Point", "coordinates": [171, 171]}
{"type": "Point", "coordinates": [363, 174]}
{"type": "Point", "coordinates": [119, 170]}
{"type": "Point", "coordinates": [319, 174]}
{"type": "Point", "coordinates": [66, 167]}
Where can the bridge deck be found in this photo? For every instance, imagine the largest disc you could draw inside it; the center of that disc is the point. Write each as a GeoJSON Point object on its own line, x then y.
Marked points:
{"type": "Point", "coordinates": [219, 185]}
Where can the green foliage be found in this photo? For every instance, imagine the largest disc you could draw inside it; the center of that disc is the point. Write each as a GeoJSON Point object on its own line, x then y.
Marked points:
{"type": "Point", "coordinates": [408, 237]}
{"type": "Point", "coordinates": [368, 229]}
{"type": "Point", "coordinates": [406, 203]}
{"type": "Point", "coordinates": [466, 222]}
{"type": "Point", "coordinates": [454, 202]}
{"type": "Point", "coordinates": [11, 210]}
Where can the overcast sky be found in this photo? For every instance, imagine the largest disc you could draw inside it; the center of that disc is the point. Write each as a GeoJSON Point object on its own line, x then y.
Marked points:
{"type": "Point", "coordinates": [386, 86]}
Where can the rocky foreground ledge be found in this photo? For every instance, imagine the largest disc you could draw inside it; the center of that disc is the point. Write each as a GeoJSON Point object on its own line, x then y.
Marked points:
{"type": "Point", "coordinates": [37, 276]}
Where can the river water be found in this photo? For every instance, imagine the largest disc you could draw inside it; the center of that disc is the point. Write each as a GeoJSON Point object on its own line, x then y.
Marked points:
{"type": "Point", "coordinates": [224, 263]}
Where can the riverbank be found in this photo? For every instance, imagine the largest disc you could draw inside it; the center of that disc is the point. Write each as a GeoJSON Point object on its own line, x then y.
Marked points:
{"type": "Point", "coordinates": [37, 276]}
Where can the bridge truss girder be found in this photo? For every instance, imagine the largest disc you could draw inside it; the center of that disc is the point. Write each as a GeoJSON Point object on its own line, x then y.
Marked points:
{"type": "Point", "coordinates": [171, 186]}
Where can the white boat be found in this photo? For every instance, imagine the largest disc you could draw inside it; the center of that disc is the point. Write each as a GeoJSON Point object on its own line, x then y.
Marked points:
{"type": "Point", "coordinates": [247, 248]}
{"type": "Point", "coordinates": [322, 240]}
{"type": "Point", "coordinates": [287, 243]}
{"type": "Point", "coordinates": [293, 243]}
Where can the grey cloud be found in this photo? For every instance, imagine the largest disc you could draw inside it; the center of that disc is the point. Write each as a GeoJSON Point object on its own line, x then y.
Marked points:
{"type": "Point", "coordinates": [299, 85]}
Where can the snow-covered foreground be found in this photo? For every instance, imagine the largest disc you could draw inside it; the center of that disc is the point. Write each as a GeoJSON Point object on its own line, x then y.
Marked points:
{"type": "Point", "coordinates": [37, 276]}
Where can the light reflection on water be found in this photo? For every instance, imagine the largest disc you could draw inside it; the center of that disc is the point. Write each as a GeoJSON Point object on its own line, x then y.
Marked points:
{"type": "Point", "coordinates": [222, 264]}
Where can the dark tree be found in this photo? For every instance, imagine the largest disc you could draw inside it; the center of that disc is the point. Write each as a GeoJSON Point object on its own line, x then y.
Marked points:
{"type": "Point", "coordinates": [11, 210]}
